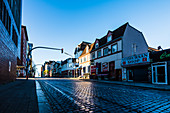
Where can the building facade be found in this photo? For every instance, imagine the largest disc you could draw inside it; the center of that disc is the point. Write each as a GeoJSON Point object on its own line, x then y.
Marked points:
{"type": "Point", "coordinates": [29, 60]}
{"type": "Point", "coordinates": [10, 38]}
{"type": "Point", "coordinates": [160, 66]}
{"type": "Point", "coordinates": [21, 64]}
{"type": "Point", "coordinates": [68, 67]}
{"type": "Point", "coordinates": [77, 52]}
{"type": "Point", "coordinates": [84, 61]}
{"type": "Point", "coordinates": [108, 51]}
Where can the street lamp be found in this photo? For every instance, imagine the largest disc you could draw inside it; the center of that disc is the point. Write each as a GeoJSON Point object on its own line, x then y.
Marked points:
{"type": "Point", "coordinates": [38, 48]}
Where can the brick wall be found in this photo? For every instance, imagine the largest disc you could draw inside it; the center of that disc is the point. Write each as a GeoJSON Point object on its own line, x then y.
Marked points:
{"type": "Point", "coordinates": [8, 50]}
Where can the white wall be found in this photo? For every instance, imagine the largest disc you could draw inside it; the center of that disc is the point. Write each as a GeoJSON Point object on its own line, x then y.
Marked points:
{"type": "Point", "coordinates": [133, 36]}
{"type": "Point", "coordinates": [114, 57]}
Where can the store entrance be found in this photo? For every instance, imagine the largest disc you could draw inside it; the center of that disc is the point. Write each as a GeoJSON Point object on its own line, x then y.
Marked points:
{"type": "Point", "coordinates": [159, 73]}
{"type": "Point", "coordinates": [130, 74]}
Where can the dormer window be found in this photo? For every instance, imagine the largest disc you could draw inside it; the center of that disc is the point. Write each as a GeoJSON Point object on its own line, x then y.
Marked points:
{"type": "Point", "coordinates": [96, 45]}
{"type": "Point", "coordinates": [109, 38]}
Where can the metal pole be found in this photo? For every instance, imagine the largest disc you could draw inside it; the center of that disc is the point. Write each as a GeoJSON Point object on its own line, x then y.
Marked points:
{"type": "Point", "coordinates": [37, 48]}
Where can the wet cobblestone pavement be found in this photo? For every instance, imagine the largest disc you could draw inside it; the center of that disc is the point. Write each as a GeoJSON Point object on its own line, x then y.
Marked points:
{"type": "Point", "coordinates": [65, 95]}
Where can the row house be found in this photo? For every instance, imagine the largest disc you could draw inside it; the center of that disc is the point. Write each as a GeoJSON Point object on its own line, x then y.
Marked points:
{"type": "Point", "coordinates": [21, 63]}
{"type": "Point", "coordinates": [30, 61]}
{"type": "Point", "coordinates": [57, 69]}
{"type": "Point", "coordinates": [77, 52]}
{"type": "Point", "coordinates": [47, 69]}
{"type": "Point", "coordinates": [84, 61]}
{"type": "Point", "coordinates": [108, 51]}
{"type": "Point", "coordinates": [68, 67]}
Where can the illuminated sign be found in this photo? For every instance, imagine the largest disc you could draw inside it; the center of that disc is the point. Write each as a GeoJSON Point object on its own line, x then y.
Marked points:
{"type": "Point", "coordinates": [136, 59]}
{"type": "Point", "coordinates": [164, 55]}
{"type": "Point", "coordinates": [157, 56]}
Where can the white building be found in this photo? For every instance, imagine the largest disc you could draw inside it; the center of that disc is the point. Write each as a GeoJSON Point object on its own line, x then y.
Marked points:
{"type": "Point", "coordinates": [108, 51]}
{"type": "Point", "coordinates": [67, 68]}
{"type": "Point", "coordinates": [84, 61]}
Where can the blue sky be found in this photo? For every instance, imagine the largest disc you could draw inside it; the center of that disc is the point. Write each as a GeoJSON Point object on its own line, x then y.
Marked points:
{"type": "Point", "coordinates": [65, 23]}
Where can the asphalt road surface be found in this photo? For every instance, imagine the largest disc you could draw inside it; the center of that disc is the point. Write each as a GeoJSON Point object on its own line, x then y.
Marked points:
{"type": "Point", "coordinates": [69, 95]}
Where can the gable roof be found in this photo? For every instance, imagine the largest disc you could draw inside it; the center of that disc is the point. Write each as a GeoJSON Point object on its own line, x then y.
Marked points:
{"type": "Point", "coordinates": [81, 46]}
{"type": "Point", "coordinates": [115, 34]}
{"type": "Point", "coordinates": [90, 48]}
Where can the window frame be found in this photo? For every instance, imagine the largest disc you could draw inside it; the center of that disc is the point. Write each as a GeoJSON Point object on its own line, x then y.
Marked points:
{"type": "Point", "coordinates": [108, 38]}
{"type": "Point", "coordinates": [85, 59]}
{"type": "Point", "coordinates": [94, 55]}
{"type": "Point", "coordinates": [107, 51]}
{"type": "Point", "coordinates": [100, 53]}
{"type": "Point", "coordinates": [97, 43]}
{"type": "Point", "coordinates": [112, 48]}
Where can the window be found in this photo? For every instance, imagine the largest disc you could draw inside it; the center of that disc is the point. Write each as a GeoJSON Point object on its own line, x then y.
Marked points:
{"type": "Point", "coordinates": [97, 45]}
{"type": "Point", "coordinates": [134, 49]}
{"type": "Point", "coordinates": [105, 51]}
{"type": "Point", "coordinates": [15, 37]}
{"type": "Point", "coordinates": [84, 59]}
{"type": "Point", "coordinates": [114, 48]}
{"type": "Point", "coordinates": [109, 38]}
{"type": "Point", "coordinates": [98, 53]}
{"type": "Point", "coordinates": [4, 16]}
{"type": "Point", "coordinates": [93, 55]}
{"type": "Point", "coordinates": [0, 9]}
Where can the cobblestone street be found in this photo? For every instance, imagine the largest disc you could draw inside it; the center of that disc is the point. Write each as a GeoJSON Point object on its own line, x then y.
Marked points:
{"type": "Point", "coordinates": [66, 95]}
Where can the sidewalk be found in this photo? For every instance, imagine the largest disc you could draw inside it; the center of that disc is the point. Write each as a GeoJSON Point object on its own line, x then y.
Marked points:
{"type": "Point", "coordinates": [135, 84]}
{"type": "Point", "coordinates": [18, 97]}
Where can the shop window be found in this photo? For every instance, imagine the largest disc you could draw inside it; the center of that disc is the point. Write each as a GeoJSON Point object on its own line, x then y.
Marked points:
{"type": "Point", "coordinates": [114, 48]}
{"type": "Point", "coordinates": [98, 53]}
{"type": "Point", "coordinates": [105, 51]}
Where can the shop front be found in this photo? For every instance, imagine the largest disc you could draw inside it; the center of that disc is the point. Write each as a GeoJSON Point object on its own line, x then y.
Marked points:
{"type": "Point", "coordinates": [160, 64]}
{"type": "Point", "coordinates": [93, 72]}
{"type": "Point", "coordinates": [136, 68]}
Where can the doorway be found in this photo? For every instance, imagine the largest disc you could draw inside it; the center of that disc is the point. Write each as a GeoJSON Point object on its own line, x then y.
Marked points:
{"type": "Point", "coordinates": [159, 73]}
{"type": "Point", "coordinates": [130, 74]}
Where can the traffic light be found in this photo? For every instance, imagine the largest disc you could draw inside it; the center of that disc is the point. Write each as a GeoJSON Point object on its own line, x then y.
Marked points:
{"type": "Point", "coordinates": [62, 50]}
